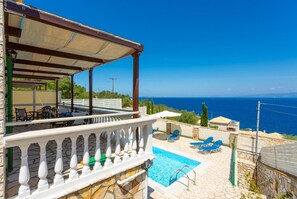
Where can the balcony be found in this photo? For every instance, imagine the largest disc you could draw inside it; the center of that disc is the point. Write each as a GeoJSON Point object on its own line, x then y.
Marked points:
{"type": "Point", "coordinates": [55, 162]}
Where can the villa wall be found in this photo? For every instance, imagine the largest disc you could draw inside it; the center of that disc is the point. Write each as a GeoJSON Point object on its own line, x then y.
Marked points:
{"type": "Point", "coordinates": [2, 101]}
{"type": "Point", "coordinates": [109, 189]}
{"type": "Point", "coordinates": [274, 183]}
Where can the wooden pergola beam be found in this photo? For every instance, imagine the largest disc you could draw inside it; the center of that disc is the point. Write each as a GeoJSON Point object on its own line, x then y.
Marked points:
{"type": "Point", "coordinates": [44, 17]}
{"type": "Point", "coordinates": [12, 31]}
{"type": "Point", "coordinates": [55, 53]}
{"type": "Point", "coordinates": [34, 77]}
{"type": "Point", "coordinates": [44, 64]}
{"type": "Point", "coordinates": [39, 71]}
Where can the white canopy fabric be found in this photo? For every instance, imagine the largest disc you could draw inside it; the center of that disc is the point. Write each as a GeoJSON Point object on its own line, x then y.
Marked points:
{"type": "Point", "coordinates": [164, 114]}
{"type": "Point", "coordinates": [43, 30]}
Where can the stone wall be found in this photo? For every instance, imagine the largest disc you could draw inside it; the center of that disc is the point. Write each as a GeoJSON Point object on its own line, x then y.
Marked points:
{"type": "Point", "coordinates": [109, 189]}
{"type": "Point", "coordinates": [2, 101]}
{"type": "Point", "coordinates": [274, 183]}
{"type": "Point", "coordinates": [246, 173]}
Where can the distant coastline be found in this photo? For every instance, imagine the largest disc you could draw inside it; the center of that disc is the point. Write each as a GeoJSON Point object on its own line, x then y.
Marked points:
{"type": "Point", "coordinates": [242, 109]}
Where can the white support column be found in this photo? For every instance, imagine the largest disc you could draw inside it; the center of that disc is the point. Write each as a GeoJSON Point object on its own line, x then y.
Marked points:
{"type": "Point", "coordinates": [117, 158]}
{"type": "Point", "coordinates": [43, 170]}
{"type": "Point", "coordinates": [59, 164]}
{"type": "Point", "coordinates": [141, 142]}
{"type": "Point", "coordinates": [108, 161]}
{"type": "Point", "coordinates": [126, 147]}
{"type": "Point", "coordinates": [147, 133]}
{"type": "Point", "coordinates": [86, 159]}
{"type": "Point", "coordinates": [73, 161]}
{"type": "Point", "coordinates": [134, 143]}
{"type": "Point", "coordinates": [24, 175]}
{"type": "Point", "coordinates": [97, 165]}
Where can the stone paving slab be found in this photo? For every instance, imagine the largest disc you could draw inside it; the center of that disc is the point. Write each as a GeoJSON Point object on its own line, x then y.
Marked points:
{"type": "Point", "coordinates": [214, 182]}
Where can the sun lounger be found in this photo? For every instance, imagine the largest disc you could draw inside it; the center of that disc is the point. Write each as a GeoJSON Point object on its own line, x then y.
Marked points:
{"type": "Point", "coordinates": [216, 146]}
{"type": "Point", "coordinates": [203, 143]}
{"type": "Point", "coordinates": [174, 136]}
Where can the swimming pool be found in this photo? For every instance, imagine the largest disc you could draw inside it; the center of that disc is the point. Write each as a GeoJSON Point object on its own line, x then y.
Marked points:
{"type": "Point", "coordinates": [166, 163]}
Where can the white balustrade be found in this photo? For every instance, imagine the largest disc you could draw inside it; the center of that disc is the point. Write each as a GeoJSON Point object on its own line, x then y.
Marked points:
{"type": "Point", "coordinates": [59, 164]}
{"type": "Point", "coordinates": [126, 146]}
{"type": "Point", "coordinates": [98, 165]}
{"type": "Point", "coordinates": [117, 158]}
{"type": "Point", "coordinates": [42, 171]}
{"type": "Point", "coordinates": [141, 142]}
{"type": "Point", "coordinates": [114, 163]}
{"type": "Point", "coordinates": [86, 159]}
{"type": "Point", "coordinates": [108, 162]}
{"type": "Point", "coordinates": [134, 142]}
{"type": "Point", "coordinates": [73, 161]}
{"type": "Point", "coordinates": [24, 174]}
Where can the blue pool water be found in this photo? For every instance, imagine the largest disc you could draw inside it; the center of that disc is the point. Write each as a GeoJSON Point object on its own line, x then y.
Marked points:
{"type": "Point", "coordinates": [166, 163]}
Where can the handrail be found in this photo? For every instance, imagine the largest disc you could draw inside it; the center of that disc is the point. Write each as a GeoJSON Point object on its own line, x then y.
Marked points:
{"type": "Point", "coordinates": [67, 119]}
{"type": "Point", "coordinates": [181, 170]}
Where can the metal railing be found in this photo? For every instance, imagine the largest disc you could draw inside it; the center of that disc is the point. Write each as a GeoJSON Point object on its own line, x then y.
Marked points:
{"type": "Point", "coordinates": [180, 170]}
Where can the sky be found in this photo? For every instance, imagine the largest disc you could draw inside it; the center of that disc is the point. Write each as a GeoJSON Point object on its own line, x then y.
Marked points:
{"type": "Point", "coordinates": [194, 48]}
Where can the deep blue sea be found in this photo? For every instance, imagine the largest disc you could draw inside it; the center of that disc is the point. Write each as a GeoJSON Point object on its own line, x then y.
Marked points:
{"type": "Point", "coordinates": [272, 119]}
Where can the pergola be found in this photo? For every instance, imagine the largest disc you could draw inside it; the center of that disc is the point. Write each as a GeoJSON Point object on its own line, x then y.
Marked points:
{"type": "Point", "coordinates": [50, 47]}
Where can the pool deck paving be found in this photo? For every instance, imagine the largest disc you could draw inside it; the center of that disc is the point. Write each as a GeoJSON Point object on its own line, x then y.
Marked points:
{"type": "Point", "coordinates": [211, 182]}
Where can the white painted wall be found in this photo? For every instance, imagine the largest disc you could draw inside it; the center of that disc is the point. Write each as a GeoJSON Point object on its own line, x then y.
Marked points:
{"type": "Point", "coordinates": [104, 103]}
{"type": "Point", "coordinates": [204, 133]}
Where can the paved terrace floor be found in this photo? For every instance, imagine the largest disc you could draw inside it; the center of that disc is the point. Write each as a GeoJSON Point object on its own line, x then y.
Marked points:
{"type": "Point", "coordinates": [213, 182]}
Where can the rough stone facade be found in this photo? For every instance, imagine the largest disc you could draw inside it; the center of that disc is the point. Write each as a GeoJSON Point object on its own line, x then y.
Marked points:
{"type": "Point", "coordinates": [109, 189]}
{"type": "Point", "coordinates": [274, 183]}
{"type": "Point", "coordinates": [246, 173]}
{"type": "Point", "coordinates": [2, 102]}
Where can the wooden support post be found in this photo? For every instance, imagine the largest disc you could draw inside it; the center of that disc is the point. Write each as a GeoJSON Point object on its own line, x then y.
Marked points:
{"type": "Point", "coordinates": [72, 92]}
{"type": "Point", "coordinates": [136, 91]}
{"type": "Point", "coordinates": [57, 96]}
{"type": "Point", "coordinates": [90, 93]}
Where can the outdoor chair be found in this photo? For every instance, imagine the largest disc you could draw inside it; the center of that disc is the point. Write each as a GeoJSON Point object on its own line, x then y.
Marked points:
{"type": "Point", "coordinates": [216, 146]}
{"type": "Point", "coordinates": [22, 114]}
{"type": "Point", "coordinates": [203, 143]}
{"type": "Point", "coordinates": [175, 135]}
{"type": "Point", "coordinates": [48, 112]}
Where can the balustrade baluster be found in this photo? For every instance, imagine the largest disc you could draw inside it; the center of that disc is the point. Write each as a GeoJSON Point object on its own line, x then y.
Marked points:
{"type": "Point", "coordinates": [117, 158]}
{"type": "Point", "coordinates": [73, 161]}
{"type": "Point", "coordinates": [108, 162]}
{"type": "Point", "coordinates": [24, 175]}
{"type": "Point", "coordinates": [141, 142]}
{"type": "Point", "coordinates": [43, 170]}
{"type": "Point", "coordinates": [86, 158]}
{"type": "Point", "coordinates": [126, 146]}
{"type": "Point", "coordinates": [134, 143]}
{"type": "Point", "coordinates": [59, 164]}
{"type": "Point", "coordinates": [97, 165]}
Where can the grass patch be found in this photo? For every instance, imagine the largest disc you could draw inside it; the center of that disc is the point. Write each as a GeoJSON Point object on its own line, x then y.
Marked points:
{"type": "Point", "coordinates": [290, 137]}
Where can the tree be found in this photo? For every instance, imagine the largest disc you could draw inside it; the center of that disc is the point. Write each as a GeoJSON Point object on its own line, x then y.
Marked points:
{"type": "Point", "coordinates": [188, 117]}
{"type": "Point", "coordinates": [204, 116]}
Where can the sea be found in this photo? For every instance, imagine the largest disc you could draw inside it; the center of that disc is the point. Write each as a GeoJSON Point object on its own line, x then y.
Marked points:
{"type": "Point", "coordinates": [276, 114]}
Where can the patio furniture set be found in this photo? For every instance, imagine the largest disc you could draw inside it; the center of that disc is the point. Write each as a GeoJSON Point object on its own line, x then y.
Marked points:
{"type": "Point", "coordinates": [202, 146]}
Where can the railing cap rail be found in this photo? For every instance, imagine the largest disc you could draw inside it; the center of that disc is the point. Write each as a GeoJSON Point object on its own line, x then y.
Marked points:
{"type": "Point", "coordinates": [42, 121]}
{"type": "Point", "coordinates": [29, 137]}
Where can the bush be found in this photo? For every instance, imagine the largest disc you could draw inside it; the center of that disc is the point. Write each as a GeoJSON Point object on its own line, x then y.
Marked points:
{"type": "Point", "coordinates": [188, 117]}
